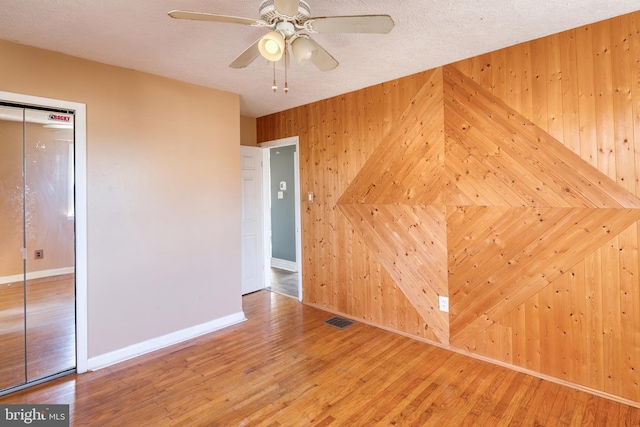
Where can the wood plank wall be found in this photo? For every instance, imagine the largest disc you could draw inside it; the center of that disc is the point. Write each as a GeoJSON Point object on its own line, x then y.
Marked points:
{"type": "Point", "coordinates": [508, 182]}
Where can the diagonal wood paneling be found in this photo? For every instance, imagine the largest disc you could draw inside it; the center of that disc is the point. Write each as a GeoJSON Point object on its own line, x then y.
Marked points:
{"type": "Point", "coordinates": [409, 242]}
{"type": "Point", "coordinates": [408, 165]}
{"type": "Point", "coordinates": [542, 209]}
{"type": "Point", "coordinates": [395, 203]}
{"type": "Point", "coordinates": [520, 154]}
{"type": "Point", "coordinates": [507, 261]}
{"type": "Point", "coordinates": [535, 208]}
{"type": "Point", "coordinates": [586, 315]}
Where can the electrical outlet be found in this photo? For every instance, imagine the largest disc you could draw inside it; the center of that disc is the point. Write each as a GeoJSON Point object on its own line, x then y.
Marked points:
{"type": "Point", "coordinates": [444, 303]}
{"type": "Point", "coordinates": [39, 254]}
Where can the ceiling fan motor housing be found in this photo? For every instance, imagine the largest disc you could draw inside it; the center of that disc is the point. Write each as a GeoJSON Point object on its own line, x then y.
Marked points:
{"type": "Point", "coordinates": [270, 15]}
{"type": "Point", "coordinates": [286, 28]}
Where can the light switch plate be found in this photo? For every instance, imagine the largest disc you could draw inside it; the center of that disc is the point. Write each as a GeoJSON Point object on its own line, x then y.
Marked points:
{"type": "Point", "coordinates": [280, 195]}
{"type": "Point", "coordinates": [444, 303]}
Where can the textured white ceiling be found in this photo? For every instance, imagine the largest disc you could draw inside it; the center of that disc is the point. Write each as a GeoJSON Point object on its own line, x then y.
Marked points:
{"type": "Point", "coordinates": [138, 34]}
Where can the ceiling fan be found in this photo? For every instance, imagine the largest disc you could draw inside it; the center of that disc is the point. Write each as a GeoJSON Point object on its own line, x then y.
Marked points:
{"type": "Point", "coordinates": [291, 23]}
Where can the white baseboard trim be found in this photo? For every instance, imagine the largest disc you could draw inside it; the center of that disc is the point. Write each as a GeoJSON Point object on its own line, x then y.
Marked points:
{"type": "Point", "coordinates": [37, 275]}
{"type": "Point", "coordinates": [135, 350]}
{"type": "Point", "coordinates": [284, 264]}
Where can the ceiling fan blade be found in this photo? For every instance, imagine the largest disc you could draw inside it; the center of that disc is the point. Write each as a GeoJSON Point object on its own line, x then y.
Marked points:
{"type": "Point", "coordinates": [202, 16]}
{"type": "Point", "coordinates": [246, 57]}
{"type": "Point", "coordinates": [287, 7]}
{"type": "Point", "coordinates": [373, 24]}
{"type": "Point", "coordinates": [323, 59]}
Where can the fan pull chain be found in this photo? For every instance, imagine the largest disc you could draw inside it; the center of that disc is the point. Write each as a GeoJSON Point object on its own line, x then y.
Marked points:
{"type": "Point", "coordinates": [275, 86]}
{"type": "Point", "coordinates": [286, 66]}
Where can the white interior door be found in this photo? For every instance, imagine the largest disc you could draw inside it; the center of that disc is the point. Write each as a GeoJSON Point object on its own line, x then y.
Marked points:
{"type": "Point", "coordinates": [252, 219]}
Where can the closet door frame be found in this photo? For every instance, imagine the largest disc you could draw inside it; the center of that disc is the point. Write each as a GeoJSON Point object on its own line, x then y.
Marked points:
{"type": "Point", "coordinates": [80, 151]}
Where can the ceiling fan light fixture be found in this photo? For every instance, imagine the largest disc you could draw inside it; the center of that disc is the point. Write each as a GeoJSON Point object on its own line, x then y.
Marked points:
{"type": "Point", "coordinates": [303, 50]}
{"type": "Point", "coordinates": [271, 46]}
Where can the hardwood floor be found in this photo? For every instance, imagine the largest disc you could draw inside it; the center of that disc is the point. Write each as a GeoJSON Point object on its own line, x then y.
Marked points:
{"type": "Point", "coordinates": [284, 366]}
{"type": "Point", "coordinates": [284, 282]}
{"type": "Point", "coordinates": [51, 325]}
{"type": "Point", "coordinates": [49, 343]}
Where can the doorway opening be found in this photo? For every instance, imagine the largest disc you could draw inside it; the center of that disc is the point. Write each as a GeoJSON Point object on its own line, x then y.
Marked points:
{"type": "Point", "coordinates": [282, 236]}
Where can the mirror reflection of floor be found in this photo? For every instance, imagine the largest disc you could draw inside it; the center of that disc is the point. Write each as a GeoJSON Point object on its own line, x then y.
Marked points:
{"type": "Point", "coordinates": [284, 282]}
{"type": "Point", "coordinates": [50, 322]}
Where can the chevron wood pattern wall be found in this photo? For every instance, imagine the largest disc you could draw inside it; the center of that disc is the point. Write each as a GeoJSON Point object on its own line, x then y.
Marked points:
{"type": "Point", "coordinates": [508, 182]}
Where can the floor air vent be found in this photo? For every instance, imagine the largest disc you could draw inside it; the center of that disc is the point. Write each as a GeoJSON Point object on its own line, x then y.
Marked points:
{"type": "Point", "coordinates": [339, 322]}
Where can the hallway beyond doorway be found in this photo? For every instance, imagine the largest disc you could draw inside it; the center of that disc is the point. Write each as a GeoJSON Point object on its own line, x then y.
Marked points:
{"type": "Point", "coordinates": [284, 282]}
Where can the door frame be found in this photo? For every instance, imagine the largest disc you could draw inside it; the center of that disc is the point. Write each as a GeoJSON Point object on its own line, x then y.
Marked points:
{"type": "Point", "coordinates": [266, 170]}
{"type": "Point", "coordinates": [80, 153]}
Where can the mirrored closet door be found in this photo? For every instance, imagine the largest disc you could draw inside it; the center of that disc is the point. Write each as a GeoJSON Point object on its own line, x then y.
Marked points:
{"type": "Point", "coordinates": [37, 256]}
